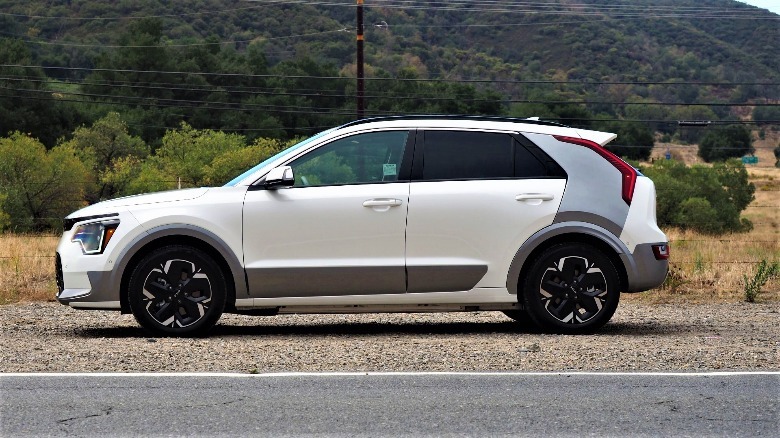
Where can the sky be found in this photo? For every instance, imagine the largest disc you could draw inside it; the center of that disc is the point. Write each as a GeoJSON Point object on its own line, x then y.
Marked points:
{"type": "Point", "coordinates": [772, 5]}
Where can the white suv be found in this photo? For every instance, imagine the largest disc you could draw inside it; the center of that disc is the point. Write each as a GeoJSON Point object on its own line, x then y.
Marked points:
{"type": "Point", "coordinates": [399, 214]}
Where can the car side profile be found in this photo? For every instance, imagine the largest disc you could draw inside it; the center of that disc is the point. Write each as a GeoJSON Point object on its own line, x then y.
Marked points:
{"type": "Point", "coordinates": [396, 214]}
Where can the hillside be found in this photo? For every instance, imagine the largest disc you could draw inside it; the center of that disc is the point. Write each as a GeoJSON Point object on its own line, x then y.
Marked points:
{"type": "Point", "coordinates": [521, 58]}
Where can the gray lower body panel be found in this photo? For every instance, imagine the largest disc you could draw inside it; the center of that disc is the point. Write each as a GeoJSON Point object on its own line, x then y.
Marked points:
{"type": "Point", "coordinates": [447, 278]}
{"type": "Point", "coordinates": [326, 281]}
{"type": "Point", "coordinates": [647, 272]}
{"type": "Point", "coordinates": [101, 290]}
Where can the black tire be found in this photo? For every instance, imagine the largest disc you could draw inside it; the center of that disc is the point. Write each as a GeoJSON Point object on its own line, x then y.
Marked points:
{"type": "Point", "coordinates": [571, 289]}
{"type": "Point", "coordinates": [521, 318]}
{"type": "Point", "coordinates": [177, 291]}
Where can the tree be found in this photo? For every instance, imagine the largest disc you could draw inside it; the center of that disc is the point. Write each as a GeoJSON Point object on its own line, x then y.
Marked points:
{"type": "Point", "coordinates": [39, 187]}
{"type": "Point", "coordinates": [731, 141]}
{"type": "Point", "coordinates": [634, 140]}
{"type": "Point", "coordinates": [106, 142]}
{"type": "Point", "coordinates": [186, 153]}
{"type": "Point", "coordinates": [766, 115]}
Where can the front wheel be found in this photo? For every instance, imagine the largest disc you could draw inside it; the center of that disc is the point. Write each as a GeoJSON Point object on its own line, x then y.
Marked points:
{"type": "Point", "coordinates": [177, 291]}
{"type": "Point", "coordinates": [571, 288]}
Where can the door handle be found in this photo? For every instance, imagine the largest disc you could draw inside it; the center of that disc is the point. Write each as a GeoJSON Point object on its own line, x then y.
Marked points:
{"type": "Point", "coordinates": [534, 198]}
{"type": "Point", "coordinates": [382, 203]}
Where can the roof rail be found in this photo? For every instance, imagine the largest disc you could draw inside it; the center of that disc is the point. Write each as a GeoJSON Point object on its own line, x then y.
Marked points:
{"type": "Point", "coordinates": [530, 121]}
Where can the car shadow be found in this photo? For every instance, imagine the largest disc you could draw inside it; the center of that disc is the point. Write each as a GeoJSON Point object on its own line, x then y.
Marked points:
{"type": "Point", "coordinates": [392, 329]}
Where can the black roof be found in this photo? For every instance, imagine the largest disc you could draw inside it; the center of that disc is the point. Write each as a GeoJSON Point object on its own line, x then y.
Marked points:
{"type": "Point", "coordinates": [451, 117]}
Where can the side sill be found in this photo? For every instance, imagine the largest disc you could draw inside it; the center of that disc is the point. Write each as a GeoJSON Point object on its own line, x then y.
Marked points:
{"type": "Point", "coordinates": [98, 305]}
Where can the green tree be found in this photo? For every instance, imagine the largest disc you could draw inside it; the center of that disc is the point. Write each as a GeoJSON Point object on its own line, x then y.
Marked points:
{"type": "Point", "coordinates": [766, 115]}
{"type": "Point", "coordinates": [233, 162]}
{"type": "Point", "coordinates": [186, 153]}
{"type": "Point", "coordinates": [106, 142]}
{"type": "Point", "coordinates": [634, 140]}
{"type": "Point", "coordinates": [728, 142]}
{"type": "Point", "coordinates": [39, 187]}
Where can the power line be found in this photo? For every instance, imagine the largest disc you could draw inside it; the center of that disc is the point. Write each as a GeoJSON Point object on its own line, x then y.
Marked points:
{"type": "Point", "coordinates": [322, 93]}
{"type": "Point", "coordinates": [380, 79]}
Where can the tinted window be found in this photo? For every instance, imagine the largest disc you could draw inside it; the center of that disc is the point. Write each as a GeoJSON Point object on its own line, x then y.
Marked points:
{"type": "Point", "coordinates": [363, 158]}
{"type": "Point", "coordinates": [527, 165]}
{"type": "Point", "coordinates": [467, 155]}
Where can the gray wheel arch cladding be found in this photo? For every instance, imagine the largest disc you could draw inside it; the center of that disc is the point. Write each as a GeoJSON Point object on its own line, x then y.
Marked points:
{"type": "Point", "coordinates": [118, 274]}
{"type": "Point", "coordinates": [543, 236]}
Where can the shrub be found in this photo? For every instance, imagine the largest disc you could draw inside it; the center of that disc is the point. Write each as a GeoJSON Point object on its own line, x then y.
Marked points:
{"type": "Point", "coordinates": [706, 199]}
{"type": "Point", "coordinates": [764, 272]}
{"type": "Point", "coordinates": [729, 142]}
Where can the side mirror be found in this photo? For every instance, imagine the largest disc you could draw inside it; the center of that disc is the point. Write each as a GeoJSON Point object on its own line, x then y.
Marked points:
{"type": "Point", "coordinates": [279, 177]}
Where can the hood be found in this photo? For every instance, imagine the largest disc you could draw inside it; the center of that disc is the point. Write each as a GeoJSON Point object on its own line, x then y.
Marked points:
{"type": "Point", "coordinates": [114, 205]}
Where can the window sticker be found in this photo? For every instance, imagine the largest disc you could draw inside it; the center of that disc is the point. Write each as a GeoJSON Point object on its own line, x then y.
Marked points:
{"type": "Point", "coordinates": [389, 170]}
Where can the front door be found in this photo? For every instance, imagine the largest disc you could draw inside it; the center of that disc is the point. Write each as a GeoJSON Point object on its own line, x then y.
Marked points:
{"type": "Point", "coordinates": [340, 230]}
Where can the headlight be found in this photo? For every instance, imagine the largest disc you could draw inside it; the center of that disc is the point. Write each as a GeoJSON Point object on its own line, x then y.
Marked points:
{"type": "Point", "coordinates": [94, 236]}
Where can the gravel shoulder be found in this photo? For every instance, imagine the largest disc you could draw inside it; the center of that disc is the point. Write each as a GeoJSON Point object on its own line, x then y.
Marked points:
{"type": "Point", "coordinates": [48, 337]}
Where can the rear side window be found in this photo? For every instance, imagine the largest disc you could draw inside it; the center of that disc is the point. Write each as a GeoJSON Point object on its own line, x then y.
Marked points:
{"type": "Point", "coordinates": [477, 155]}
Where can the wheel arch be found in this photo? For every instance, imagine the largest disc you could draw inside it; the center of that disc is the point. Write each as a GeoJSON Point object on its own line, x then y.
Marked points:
{"type": "Point", "coordinates": [187, 235]}
{"type": "Point", "coordinates": [556, 234]}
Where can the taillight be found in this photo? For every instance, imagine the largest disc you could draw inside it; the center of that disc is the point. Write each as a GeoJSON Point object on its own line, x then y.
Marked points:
{"type": "Point", "coordinates": [626, 170]}
{"type": "Point", "coordinates": [661, 252]}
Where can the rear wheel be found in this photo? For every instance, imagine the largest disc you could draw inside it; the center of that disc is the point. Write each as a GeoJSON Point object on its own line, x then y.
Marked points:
{"type": "Point", "coordinates": [177, 291]}
{"type": "Point", "coordinates": [571, 288]}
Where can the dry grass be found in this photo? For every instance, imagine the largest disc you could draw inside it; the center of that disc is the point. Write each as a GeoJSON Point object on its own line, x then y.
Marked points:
{"type": "Point", "coordinates": [27, 268]}
{"type": "Point", "coordinates": [711, 268]}
{"type": "Point", "coordinates": [703, 268]}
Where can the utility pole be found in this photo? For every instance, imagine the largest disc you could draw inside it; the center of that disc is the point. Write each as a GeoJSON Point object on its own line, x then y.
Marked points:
{"type": "Point", "coordinates": [361, 85]}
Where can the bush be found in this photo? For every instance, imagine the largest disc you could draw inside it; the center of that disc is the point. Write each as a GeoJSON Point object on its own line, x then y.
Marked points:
{"type": "Point", "coordinates": [732, 141]}
{"type": "Point", "coordinates": [705, 199]}
{"type": "Point", "coordinates": [777, 156]}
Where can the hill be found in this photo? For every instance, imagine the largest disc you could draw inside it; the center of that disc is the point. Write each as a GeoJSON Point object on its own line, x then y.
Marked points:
{"type": "Point", "coordinates": [624, 60]}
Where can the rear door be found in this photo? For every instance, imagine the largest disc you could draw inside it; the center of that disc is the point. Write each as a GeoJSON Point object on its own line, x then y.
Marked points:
{"type": "Point", "coordinates": [475, 197]}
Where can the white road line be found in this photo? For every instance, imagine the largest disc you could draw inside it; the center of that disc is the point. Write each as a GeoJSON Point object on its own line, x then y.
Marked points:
{"type": "Point", "coordinates": [402, 373]}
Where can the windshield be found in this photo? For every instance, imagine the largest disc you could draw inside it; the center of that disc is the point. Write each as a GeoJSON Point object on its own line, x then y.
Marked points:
{"type": "Point", "coordinates": [281, 154]}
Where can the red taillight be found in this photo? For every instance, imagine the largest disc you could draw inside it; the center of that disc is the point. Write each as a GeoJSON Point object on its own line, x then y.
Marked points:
{"type": "Point", "coordinates": [626, 170]}
{"type": "Point", "coordinates": [661, 252]}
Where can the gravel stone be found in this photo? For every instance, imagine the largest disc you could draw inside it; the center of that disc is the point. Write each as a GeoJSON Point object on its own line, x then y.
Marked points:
{"type": "Point", "coordinates": [48, 337]}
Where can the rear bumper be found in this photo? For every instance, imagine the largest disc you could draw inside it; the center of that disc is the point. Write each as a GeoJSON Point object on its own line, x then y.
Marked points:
{"type": "Point", "coordinates": [644, 271]}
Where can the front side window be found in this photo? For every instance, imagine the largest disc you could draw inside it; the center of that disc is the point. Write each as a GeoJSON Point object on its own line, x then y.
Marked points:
{"type": "Point", "coordinates": [363, 158]}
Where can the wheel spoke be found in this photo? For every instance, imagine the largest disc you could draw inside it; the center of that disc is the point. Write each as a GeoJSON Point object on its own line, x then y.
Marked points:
{"type": "Point", "coordinates": [572, 267]}
{"type": "Point", "coordinates": [563, 310]}
{"type": "Point", "coordinates": [164, 313]}
{"type": "Point", "coordinates": [553, 288]}
{"type": "Point", "coordinates": [592, 307]}
{"type": "Point", "coordinates": [178, 270]}
{"type": "Point", "coordinates": [197, 287]}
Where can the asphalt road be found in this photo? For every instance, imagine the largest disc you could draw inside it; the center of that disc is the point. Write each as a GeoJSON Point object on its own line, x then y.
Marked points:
{"type": "Point", "coordinates": [392, 404]}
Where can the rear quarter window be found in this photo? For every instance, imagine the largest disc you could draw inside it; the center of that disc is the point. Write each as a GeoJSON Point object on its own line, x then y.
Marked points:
{"type": "Point", "coordinates": [451, 155]}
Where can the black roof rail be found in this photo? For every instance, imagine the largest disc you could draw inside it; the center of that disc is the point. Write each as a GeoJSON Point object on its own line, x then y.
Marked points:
{"type": "Point", "coordinates": [532, 121]}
